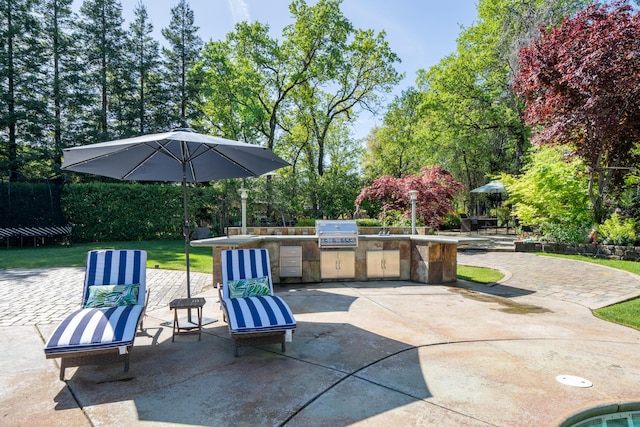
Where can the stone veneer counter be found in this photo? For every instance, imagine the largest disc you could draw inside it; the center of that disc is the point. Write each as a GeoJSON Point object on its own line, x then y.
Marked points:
{"type": "Point", "coordinates": [422, 258]}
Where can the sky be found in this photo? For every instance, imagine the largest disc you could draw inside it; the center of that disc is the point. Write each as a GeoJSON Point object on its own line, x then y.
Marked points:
{"type": "Point", "coordinates": [420, 32]}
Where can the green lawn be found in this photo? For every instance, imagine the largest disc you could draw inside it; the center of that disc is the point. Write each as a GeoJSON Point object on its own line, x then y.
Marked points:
{"type": "Point", "coordinates": [626, 313]}
{"type": "Point", "coordinates": [479, 274]}
{"type": "Point", "coordinates": [167, 254]}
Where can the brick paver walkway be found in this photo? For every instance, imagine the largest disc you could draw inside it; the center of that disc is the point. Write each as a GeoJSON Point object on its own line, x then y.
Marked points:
{"type": "Point", "coordinates": [42, 296]}
{"type": "Point", "coordinates": [39, 296]}
{"type": "Point", "coordinates": [588, 284]}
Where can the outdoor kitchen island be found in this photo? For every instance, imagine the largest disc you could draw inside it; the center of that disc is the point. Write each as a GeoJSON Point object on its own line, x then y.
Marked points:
{"type": "Point", "coordinates": [305, 259]}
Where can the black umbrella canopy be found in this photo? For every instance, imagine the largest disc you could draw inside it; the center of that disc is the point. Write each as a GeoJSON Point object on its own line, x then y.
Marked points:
{"type": "Point", "coordinates": [181, 155]}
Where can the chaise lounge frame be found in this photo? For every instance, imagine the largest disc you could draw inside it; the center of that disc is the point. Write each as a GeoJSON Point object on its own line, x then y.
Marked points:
{"type": "Point", "coordinates": [257, 329]}
{"type": "Point", "coordinates": [104, 267]}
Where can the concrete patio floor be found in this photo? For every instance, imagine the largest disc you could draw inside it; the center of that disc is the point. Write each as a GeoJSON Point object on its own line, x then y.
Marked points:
{"type": "Point", "coordinates": [365, 353]}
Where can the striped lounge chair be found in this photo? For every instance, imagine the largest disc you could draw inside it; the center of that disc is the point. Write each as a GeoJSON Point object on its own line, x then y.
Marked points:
{"type": "Point", "coordinates": [104, 328]}
{"type": "Point", "coordinates": [254, 315]}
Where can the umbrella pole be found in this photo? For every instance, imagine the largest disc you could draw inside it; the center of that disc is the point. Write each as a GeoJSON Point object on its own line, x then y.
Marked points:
{"type": "Point", "coordinates": [185, 232]}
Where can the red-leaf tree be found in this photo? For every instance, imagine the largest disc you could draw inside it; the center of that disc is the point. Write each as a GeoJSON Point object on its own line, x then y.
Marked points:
{"type": "Point", "coordinates": [581, 86]}
{"type": "Point", "coordinates": [436, 192]}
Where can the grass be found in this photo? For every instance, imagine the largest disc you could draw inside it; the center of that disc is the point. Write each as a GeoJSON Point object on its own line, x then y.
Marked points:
{"type": "Point", "coordinates": [166, 254]}
{"type": "Point", "coordinates": [625, 313]}
{"type": "Point", "coordinates": [479, 274]}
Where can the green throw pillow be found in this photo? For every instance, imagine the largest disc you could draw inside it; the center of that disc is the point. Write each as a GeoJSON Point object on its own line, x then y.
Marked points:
{"type": "Point", "coordinates": [101, 296]}
{"type": "Point", "coordinates": [244, 288]}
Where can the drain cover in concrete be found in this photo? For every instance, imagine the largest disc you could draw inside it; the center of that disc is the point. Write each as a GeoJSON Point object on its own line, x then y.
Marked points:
{"type": "Point", "coordinates": [574, 381]}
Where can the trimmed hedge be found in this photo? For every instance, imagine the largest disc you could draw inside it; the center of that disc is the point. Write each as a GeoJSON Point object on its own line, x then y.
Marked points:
{"type": "Point", "coordinates": [31, 204]}
{"type": "Point", "coordinates": [132, 211]}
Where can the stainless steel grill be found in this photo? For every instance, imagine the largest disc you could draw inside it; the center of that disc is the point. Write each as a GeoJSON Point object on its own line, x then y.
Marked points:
{"type": "Point", "coordinates": [337, 234]}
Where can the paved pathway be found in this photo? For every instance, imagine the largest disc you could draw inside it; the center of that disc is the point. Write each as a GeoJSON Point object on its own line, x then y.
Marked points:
{"type": "Point", "coordinates": [41, 296]}
{"type": "Point", "coordinates": [590, 285]}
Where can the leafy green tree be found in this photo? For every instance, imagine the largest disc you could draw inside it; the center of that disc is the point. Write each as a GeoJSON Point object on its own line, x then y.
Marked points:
{"type": "Point", "coordinates": [581, 84]}
{"type": "Point", "coordinates": [468, 120]}
{"type": "Point", "coordinates": [395, 148]}
{"type": "Point", "coordinates": [181, 55]}
{"type": "Point", "coordinates": [238, 94]}
{"type": "Point", "coordinates": [337, 188]}
{"type": "Point", "coordinates": [551, 195]}
{"type": "Point", "coordinates": [298, 96]}
{"type": "Point", "coordinates": [353, 67]}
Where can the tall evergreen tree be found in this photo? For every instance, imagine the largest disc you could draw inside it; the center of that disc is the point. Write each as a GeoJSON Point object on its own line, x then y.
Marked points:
{"type": "Point", "coordinates": [22, 108]}
{"type": "Point", "coordinates": [66, 99]}
{"type": "Point", "coordinates": [103, 44]}
{"type": "Point", "coordinates": [181, 55]}
{"type": "Point", "coordinates": [145, 53]}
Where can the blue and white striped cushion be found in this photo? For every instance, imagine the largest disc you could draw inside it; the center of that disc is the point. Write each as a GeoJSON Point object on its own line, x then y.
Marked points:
{"type": "Point", "coordinates": [252, 314]}
{"type": "Point", "coordinates": [95, 328]}
{"type": "Point", "coordinates": [243, 264]}
{"type": "Point", "coordinates": [116, 267]}
{"type": "Point", "coordinates": [258, 314]}
{"type": "Point", "coordinates": [100, 328]}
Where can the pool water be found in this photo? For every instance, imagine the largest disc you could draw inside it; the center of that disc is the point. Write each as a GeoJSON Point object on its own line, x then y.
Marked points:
{"type": "Point", "coordinates": [619, 419]}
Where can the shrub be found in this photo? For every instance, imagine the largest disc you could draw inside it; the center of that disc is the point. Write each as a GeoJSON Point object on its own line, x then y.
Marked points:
{"type": "Point", "coordinates": [129, 211]}
{"type": "Point", "coordinates": [451, 222]}
{"type": "Point", "coordinates": [616, 231]}
{"type": "Point", "coordinates": [564, 232]}
{"type": "Point", "coordinates": [395, 218]}
{"type": "Point", "coordinates": [368, 222]}
{"type": "Point", "coordinates": [552, 195]}
{"type": "Point", "coordinates": [306, 222]}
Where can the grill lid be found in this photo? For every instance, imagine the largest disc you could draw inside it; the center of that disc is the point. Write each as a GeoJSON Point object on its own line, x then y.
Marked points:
{"type": "Point", "coordinates": [337, 233]}
{"type": "Point", "coordinates": [337, 226]}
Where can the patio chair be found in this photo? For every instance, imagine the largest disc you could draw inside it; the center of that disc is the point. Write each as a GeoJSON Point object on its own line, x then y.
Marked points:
{"type": "Point", "coordinates": [254, 315]}
{"type": "Point", "coordinates": [113, 305]}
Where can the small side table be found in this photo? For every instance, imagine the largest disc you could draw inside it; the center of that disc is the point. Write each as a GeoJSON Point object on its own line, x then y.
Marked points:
{"type": "Point", "coordinates": [187, 304]}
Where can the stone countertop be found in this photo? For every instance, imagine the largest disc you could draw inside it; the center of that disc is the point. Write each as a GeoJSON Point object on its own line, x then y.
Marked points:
{"type": "Point", "coordinates": [244, 239]}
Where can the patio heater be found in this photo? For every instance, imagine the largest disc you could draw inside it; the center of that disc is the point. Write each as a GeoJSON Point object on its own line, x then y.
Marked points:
{"type": "Point", "coordinates": [243, 197]}
{"type": "Point", "coordinates": [413, 195]}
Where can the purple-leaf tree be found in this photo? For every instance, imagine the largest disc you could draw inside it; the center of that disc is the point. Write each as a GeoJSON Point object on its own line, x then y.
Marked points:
{"type": "Point", "coordinates": [581, 86]}
{"type": "Point", "coordinates": [436, 192]}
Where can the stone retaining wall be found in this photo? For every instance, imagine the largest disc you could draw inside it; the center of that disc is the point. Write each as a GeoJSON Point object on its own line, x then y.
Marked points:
{"type": "Point", "coordinates": [626, 253]}
{"type": "Point", "coordinates": [293, 231]}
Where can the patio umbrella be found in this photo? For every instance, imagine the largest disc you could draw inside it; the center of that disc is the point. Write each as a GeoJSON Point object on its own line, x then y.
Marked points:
{"type": "Point", "coordinates": [492, 187]}
{"type": "Point", "coordinates": [181, 155]}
